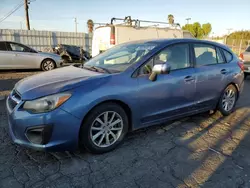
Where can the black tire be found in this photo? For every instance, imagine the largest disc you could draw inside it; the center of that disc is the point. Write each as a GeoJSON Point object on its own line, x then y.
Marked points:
{"type": "Point", "coordinates": [85, 131]}
{"type": "Point", "coordinates": [220, 104]}
{"type": "Point", "coordinates": [245, 75]}
{"type": "Point", "coordinates": [51, 66]}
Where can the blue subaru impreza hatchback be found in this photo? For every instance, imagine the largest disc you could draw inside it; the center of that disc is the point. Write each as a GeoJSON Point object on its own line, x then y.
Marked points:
{"type": "Point", "coordinates": [128, 87]}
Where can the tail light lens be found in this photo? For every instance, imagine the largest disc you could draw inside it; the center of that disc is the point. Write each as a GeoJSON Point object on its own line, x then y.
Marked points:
{"type": "Point", "coordinates": [241, 65]}
{"type": "Point", "coordinates": [241, 56]}
{"type": "Point", "coordinates": [112, 39]}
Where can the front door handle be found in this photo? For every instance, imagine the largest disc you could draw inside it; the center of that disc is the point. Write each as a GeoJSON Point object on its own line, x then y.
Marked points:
{"type": "Point", "coordinates": [223, 71]}
{"type": "Point", "coordinates": [188, 78]}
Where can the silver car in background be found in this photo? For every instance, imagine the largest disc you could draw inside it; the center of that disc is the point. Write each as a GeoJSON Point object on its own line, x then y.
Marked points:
{"type": "Point", "coordinates": [245, 57]}
{"type": "Point", "coordinates": [18, 56]}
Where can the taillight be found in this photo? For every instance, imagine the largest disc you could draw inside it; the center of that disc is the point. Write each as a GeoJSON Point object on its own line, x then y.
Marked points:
{"type": "Point", "coordinates": [112, 39]}
{"type": "Point", "coordinates": [241, 56]}
{"type": "Point", "coordinates": [241, 65]}
{"type": "Point", "coordinates": [112, 35]}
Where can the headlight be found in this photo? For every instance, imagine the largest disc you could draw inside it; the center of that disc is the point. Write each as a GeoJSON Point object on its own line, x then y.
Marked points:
{"type": "Point", "coordinates": [47, 103]}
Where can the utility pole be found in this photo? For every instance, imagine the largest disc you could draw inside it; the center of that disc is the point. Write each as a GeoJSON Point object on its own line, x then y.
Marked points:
{"type": "Point", "coordinates": [188, 20]}
{"type": "Point", "coordinates": [76, 25]}
{"type": "Point", "coordinates": [230, 29]}
{"type": "Point", "coordinates": [26, 6]}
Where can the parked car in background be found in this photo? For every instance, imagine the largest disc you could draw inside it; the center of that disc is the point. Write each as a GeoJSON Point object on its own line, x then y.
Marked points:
{"type": "Point", "coordinates": [245, 57]}
{"type": "Point", "coordinates": [71, 53]}
{"type": "Point", "coordinates": [14, 55]}
{"type": "Point", "coordinates": [130, 86]}
{"type": "Point", "coordinates": [109, 35]}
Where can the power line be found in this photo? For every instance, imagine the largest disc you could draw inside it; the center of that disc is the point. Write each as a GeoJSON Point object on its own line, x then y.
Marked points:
{"type": "Point", "coordinates": [11, 12]}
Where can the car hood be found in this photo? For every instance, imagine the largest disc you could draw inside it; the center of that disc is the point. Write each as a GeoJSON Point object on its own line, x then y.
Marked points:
{"type": "Point", "coordinates": [54, 81]}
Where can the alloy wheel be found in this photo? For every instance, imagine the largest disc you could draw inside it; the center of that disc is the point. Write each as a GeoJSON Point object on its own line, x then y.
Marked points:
{"type": "Point", "coordinates": [228, 99]}
{"type": "Point", "coordinates": [48, 65]}
{"type": "Point", "coordinates": [106, 129]}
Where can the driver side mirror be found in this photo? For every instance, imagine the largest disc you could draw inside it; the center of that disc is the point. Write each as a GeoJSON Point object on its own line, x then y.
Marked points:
{"type": "Point", "coordinates": [159, 69]}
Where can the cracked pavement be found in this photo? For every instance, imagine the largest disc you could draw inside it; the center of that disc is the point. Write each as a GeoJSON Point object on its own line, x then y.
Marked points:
{"type": "Point", "coordinates": [199, 151]}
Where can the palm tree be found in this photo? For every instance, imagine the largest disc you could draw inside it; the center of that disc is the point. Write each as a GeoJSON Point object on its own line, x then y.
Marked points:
{"type": "Point", "coordinates": [170, 19]}
{"type": "Point", "coordinates": [90, 25]}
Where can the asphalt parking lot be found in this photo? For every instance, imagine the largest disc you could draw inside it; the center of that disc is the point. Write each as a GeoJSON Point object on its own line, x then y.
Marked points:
{"type": "Point", "coordinates": [199, 151]}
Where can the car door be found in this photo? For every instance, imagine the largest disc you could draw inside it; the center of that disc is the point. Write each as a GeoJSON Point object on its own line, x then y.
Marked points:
{"type": "Point", "coordinates": [212, 74]}
{"type": "Point", "coordinates": [170, 95]}
{"type": "Point", "coordinates": [5, 56]}
{"type": "Point", "coordinates": [22, 56]}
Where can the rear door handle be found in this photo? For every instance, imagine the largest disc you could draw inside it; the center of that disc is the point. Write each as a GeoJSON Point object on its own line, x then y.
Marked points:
{"type": "Point", "coordinates": [223, 71]}
{"type": "Point", "coordinates": [188, 78]}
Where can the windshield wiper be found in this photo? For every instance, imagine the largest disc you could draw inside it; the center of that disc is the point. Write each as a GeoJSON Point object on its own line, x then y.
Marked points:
{"type": "Point", "coordinates": [97, 69]}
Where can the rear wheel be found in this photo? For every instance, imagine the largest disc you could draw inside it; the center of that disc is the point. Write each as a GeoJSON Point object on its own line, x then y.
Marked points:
{"type": "Point", "coordinates": [104, 128]}
{"type": "Point", "coordinates": [48, 64]}
{"type": "Point", "coordinates": [228, 100]}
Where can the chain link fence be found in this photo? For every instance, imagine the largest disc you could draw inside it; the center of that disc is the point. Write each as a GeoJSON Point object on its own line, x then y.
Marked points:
{"type": "Point", "coordinates": [238, 45]}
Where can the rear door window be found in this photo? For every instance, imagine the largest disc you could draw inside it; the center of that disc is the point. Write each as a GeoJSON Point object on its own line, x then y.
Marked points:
{"type": "Point", "coordinates": [3, 46]}
{"type": "Point", "coordinates": [205, 54]}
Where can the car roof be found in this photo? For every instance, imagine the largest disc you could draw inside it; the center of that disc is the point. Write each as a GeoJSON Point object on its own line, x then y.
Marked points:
{"type": "Point", "coordinates": [178, 40]}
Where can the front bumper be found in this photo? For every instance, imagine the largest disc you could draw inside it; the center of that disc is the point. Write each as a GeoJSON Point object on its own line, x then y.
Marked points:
{"type": "Point", "coordinates": [63, 136]}
{"type": "Point", "coordinates": [59, 63]}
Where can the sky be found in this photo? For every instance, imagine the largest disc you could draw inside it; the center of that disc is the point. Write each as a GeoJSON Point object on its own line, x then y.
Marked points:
{"type": "Point", "coordinates": [58, 15]}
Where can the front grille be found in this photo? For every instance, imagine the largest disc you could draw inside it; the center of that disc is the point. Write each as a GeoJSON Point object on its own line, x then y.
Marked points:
{"type": "Point", "coordinates": [16, 95]}
{"type": "Point", "coordinates": [13, 99]}
{"type": "Point", "coordinates": [12, 103]}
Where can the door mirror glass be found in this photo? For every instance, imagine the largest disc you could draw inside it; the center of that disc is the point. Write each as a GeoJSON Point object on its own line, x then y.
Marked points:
{"type": "Point", "coordinates": [159, 69]}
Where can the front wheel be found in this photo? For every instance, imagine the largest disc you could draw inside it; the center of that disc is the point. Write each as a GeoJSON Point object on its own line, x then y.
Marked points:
{"type": "Point", "coordinates": [48, 65]}
{"type": "Point", "coordinates": [228, 100]}
{"type": "Point", "coordinates": [104, 128]}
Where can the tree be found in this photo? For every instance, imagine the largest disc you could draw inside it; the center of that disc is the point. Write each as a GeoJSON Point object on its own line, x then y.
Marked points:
{"type": "Point", "coordinates": [90, 25]}
{"type": "Point", "coordinates": [197, 30]}
{"type": "Point", "coordinates": [207, 28]}
{"type": "Point", "coordinates": [170, 19]}
{"type": "Point", "coordinates": [240, 35]}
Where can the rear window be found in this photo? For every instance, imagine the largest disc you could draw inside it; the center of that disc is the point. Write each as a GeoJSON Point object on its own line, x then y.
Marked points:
{"type": "Point", "coordinates": [3, 46]}
{"type": "Point", "coordinates": [228, 55]}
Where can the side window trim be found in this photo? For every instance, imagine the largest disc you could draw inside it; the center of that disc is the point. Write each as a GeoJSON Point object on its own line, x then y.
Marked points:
{"type": "Point", "coordinates": [223, 55]}
{"type": "Point", "coordinates": [8, 46]}
{"type": "Point", "coordinates": [193, 59]}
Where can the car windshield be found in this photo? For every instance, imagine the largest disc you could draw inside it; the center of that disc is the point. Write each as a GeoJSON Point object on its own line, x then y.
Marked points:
{"type": "Point", "coordinates": [119, 58]}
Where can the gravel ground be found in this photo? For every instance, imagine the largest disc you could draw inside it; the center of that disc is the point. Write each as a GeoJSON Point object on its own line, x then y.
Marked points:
{"type": "Point", "coordinates": [198, 151]}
